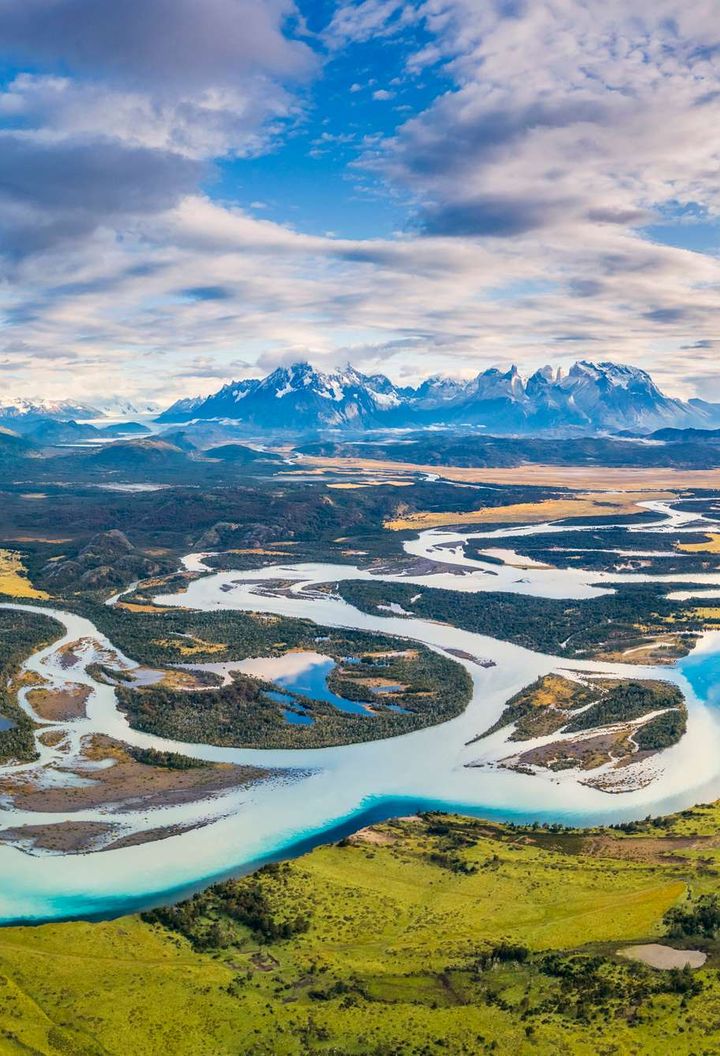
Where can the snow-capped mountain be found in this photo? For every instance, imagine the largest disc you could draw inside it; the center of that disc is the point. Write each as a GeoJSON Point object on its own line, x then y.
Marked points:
{"type": "Point", "coordinates": [222, 404]}
{"type": "Point", "coordinates": [121, 407]}
{"type": "Point", "coordinates": [614, 396]}
{"type": "Point", "coordinates": [438, 390]}
{"type": "Point", "coordinates": [590, 397]}
{"type": "Point", "coordinates": [61, 410]}
{"type": "Point", "coordinates": [297, 397]}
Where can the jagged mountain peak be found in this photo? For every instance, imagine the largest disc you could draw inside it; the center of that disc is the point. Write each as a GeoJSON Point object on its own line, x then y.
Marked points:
{"type": "Point", "coordinates": [297, 396]}
{"type": "Point", "coordinates": [589, 397]}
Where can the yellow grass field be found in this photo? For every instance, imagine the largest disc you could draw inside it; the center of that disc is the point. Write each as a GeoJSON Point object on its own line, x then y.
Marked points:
{"type": "Point", "coordinates": [600, 504]}
{"type": "Point", "coordinates": [710, 546]}
{"type": "Point", "coordinates": [13, 577]}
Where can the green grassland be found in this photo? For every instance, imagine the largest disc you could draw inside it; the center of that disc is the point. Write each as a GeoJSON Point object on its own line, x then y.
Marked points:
{"type": "Point", "coordinates": [437, 934]}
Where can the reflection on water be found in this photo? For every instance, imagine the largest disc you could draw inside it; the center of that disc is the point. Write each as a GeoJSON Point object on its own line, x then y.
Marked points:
{"type": "Point", "coordinates": [295, 714]}
{"type": "Point", "coordinates": [311, 681]}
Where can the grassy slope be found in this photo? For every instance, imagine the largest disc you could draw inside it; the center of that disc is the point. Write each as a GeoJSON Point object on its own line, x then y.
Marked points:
{"type": "Point", "coordinates": [402, 931]}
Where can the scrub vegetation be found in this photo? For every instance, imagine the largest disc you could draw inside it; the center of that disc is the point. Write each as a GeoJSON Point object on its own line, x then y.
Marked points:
{"type": "Point", "coordinates": [604, 627]}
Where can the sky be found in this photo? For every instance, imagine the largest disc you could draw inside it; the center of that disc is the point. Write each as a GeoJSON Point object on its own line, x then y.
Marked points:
{"type": "Point", "coordinates": [199, 190]}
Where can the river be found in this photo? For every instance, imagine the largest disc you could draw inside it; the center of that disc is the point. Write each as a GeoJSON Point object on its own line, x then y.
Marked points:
{"type": "Point", "coordinates": [311, 795]}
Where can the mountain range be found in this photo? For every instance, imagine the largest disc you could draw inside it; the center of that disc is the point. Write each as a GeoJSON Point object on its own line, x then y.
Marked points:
{"type": "Point", "coordinates": [590, 397]}
{"type": "Point", "coordinates": [22, 411]}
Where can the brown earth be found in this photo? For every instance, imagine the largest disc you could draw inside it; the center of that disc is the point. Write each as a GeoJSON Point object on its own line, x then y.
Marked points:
{"type": "Point", "coordinates": [60, 705]}
{"type": "Point", "coordinates": [67, 837]}
{"type": "Point", "coordinates": [126, 783]}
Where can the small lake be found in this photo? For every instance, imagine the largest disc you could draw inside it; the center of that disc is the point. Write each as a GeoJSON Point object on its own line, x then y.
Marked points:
{"type": "Point", "coordinates": [311, 681]}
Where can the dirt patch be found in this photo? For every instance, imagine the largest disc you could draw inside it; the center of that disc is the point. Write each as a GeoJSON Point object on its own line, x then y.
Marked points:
{"type": "Point", "coordinates": [68, 656]}
{"type": "Point", "coordinates": [83, 837]}
{"type": "Point", "coordinates": [52, 738]}
{"type": "Point", "coordinates": [67, 837]}
{"type": "Point", "coordinates": [660, 649]}
{"type": "Point", "coordinates": [60, 705]}
{"type": "Point", "coordinates": [417, 566]}
{"type": "Point", "coordinates": [649, 849]}
{"type": "Point", "coordinates": [136, 839]}
{"type": "Point", "coordinates": [461, 654]}
{"type": "Point", "coordinates": [125, 783]}
{"type": "Point", "coordinates": [373, 683]}
{"type": "Point", "coordinates": [664, 957]}
{"type": "Point", "coordinates": [376, 837]}
{"type": "Point", "coordinates": [585, 753]}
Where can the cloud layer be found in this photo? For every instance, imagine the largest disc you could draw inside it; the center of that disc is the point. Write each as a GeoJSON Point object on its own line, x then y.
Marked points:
{"type": "Point", "coordinates": [542, 179]}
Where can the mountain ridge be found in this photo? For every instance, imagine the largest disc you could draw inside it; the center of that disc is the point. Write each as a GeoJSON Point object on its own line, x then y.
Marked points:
{"type": "Point", "coordinates": [589, 397]}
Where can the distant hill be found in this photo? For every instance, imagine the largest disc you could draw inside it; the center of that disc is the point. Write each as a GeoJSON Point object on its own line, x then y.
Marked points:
{"type": "Point", "coordinates": [48, 431]}
{"type": "Point", "coordinates": [240, 454]}
{"type": "Point", "coordinates": [697, 436]}
{"type": "Point", "coordinates": [138, 454]}
{"type": "Point", "coordinates": [589, 398]}
{"type": "Point", "coordinates": [698, 451]}
{"type": "Point", "coordinates": [109, 559]}
{"type": "Point", "coordinates": [204, 434]}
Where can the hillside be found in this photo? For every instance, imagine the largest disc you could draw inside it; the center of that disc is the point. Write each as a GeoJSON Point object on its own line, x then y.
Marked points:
{"type": "Point", "coordinates": [418, 936]}
{"type": "Point", "coordinates": [688, 449]}
{"type": "Point", "coordinates": [14, 447]}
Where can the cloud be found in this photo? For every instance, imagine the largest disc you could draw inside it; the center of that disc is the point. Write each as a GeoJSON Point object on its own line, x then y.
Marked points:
{"type": "Point", "coordinates": [667, 315]}
{"type": "Point", "coordinates": [361, 20]}
{"type": "Point", "coordinates": [606, 110]}
{"type": "Point", "coordinates": [127, 106]}
{"type": "Point", "coordinates": [51, 192]}
{"type": "Point", "coordinates": [157, 42]}
{"type": "Point", "coordinates": [560, 132]}
{"type": "Point", "coordinates": [95, 177]}
{"type": "Point", "coordinates": [495, 216]}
